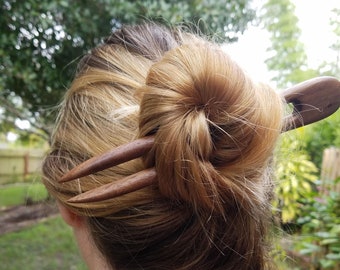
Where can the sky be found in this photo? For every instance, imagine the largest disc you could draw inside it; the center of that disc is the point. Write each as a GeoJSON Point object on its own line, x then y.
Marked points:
{"type": "Point", "coordinates": [316, 35]}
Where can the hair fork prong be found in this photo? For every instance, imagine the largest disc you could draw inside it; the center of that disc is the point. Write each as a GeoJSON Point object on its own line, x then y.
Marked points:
{"type": "Point", "coordinates": [117, 188]}
{"type": "Point", "coordinates": [111, 158]}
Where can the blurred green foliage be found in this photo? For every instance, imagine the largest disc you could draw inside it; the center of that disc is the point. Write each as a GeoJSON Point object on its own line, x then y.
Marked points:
{"type": "Point", "coordinates": [314, 214]}
{"type": "Point", "coordinates": [322, 135]}
{"type": "Point", "coordinates": [300, 152]}
{"type": "Point", "coordinates": [295, 173]}
{"type": "Point", "coordinates": [320, 230]}
{"type": "Point", "coordinates": [41, 41]}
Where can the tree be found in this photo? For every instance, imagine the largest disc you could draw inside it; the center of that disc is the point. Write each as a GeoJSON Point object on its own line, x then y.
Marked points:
{"type": "Point", "coordinates": [288, 58]}
{"type": "Point", "coordinates": [41, 40]}
{"type": "Point", "coordinates": [332, 68]}
{"type": "Point", "coordinates": [326, 133]}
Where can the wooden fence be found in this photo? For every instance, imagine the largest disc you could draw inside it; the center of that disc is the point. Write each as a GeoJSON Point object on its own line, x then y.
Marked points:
{"type": "Point", "coordinates": [330, 170]}
{"type": "Point", "coordinates": [17, 165]}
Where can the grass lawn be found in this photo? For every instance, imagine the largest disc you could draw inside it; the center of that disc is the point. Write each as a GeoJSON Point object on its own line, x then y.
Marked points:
{"type": "Point", "coordinates": [48, 245]}
{"type": "Point", "coordinates": [18, 194]}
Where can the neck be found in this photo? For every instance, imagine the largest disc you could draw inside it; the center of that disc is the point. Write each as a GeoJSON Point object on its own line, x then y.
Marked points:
{"type": "Point", "coordinates": [91, 255]}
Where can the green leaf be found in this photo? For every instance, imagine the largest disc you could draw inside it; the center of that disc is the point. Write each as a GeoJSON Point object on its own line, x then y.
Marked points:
{"type": "Point", "coordinates": [333, 256]}
{"type": "Point", "coordinates": [323, 234]}
{"type": "Point", "coordinates": [309, 248]}
{"type": "Point", "coordinates": [329, 241]}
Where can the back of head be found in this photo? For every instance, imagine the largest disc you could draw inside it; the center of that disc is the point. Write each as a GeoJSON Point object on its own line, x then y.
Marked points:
{"type": "Point", "coordinates": [214, 130]}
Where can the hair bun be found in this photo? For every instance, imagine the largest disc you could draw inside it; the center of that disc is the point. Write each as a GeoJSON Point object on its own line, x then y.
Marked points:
{"type": "Point", "coordinates": [210, 122]}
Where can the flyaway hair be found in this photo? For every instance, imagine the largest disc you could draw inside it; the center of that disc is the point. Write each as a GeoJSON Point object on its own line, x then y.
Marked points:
{"type": "Point", "coordinates": [213, 132]}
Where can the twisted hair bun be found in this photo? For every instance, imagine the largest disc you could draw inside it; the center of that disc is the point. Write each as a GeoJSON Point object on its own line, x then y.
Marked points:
{"type": "Point", "coordinates": [214, 134]}
{"type": "Point", "coordinates": [214, 128]}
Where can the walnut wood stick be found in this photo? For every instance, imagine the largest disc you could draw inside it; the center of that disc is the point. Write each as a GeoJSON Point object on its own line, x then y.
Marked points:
{"type": "Point", "coordinates": [117, 188]}
{"type": "Point", "coordinates": [313, 100]}
{"type": "Point", "coordinates": [111, 158]}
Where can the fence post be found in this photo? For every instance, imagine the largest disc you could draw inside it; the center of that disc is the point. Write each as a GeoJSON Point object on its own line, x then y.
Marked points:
{"type": "Point", "coordinates": [330, 170]}
{"type": "Point", "coordinates": [26, 164]}
{"type": "Point", "coordinates": [18, 164]}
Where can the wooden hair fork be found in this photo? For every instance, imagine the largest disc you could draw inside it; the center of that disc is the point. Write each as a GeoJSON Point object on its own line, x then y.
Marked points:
{"type": "Point", "coordinates": [311, 100]}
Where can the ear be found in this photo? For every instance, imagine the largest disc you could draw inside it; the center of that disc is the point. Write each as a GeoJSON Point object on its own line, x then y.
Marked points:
{"type": "Point", "coordinates": [69, 217]}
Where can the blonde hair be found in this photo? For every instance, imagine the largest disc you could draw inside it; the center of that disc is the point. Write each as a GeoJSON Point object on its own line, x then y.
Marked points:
{"type": "Point", "coordinates": [214, 129]}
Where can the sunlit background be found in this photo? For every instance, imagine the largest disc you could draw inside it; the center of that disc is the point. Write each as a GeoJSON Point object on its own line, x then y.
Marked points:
{"type": "Point", "coordinates": [316, 34]}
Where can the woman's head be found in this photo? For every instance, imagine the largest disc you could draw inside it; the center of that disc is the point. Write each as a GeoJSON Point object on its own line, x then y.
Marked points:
{"type": "Point", "coordinates": [214, 132]}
